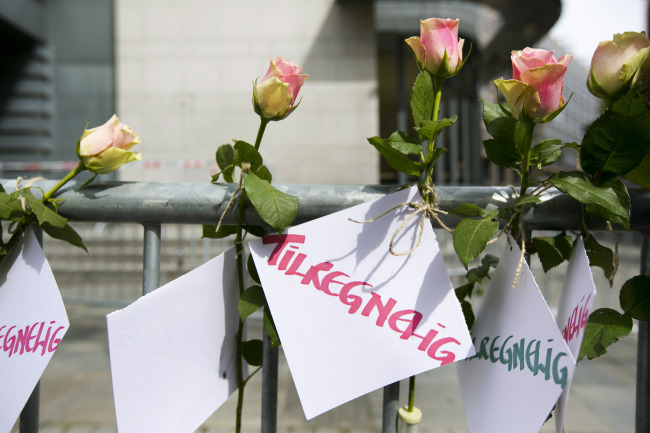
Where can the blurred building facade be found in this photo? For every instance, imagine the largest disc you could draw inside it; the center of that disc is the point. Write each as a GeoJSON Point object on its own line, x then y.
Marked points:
{"type": "Point", "coordinates": [181, 73]}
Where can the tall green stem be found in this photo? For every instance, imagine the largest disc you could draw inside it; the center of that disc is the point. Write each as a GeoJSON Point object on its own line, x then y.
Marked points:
{"type": "Point", "coordinates": [437, 96]}
{"type": "Point", "coordinates": [239, 248]}
{"type": "Point", "coordinates": [78, 169]}
{"type": "Point", "coordinates": [525, 163]}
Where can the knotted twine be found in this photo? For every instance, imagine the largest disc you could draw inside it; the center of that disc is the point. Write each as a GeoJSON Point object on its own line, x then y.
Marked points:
{"type": "Point", "coordinates": [425, 210]}
{"type": "Point", "coordinates": [13, 226]}
{"type": "Point", "coordinates": [245, 166]}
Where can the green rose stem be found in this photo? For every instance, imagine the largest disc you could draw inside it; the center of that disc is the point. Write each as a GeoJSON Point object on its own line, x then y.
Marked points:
{"type": "Point", "coordinates": [525, 162]}
{"type": "Point", "coordinates": [78, 169]}
{"type": "Point", "coordinates": [240, 272]}
{"type": "Point", "coordinates": [428, 181]}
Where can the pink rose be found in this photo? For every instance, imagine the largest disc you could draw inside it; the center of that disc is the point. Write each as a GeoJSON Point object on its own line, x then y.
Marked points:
{"type": "Point", "coordinates": [438, 49]}
{"type": "Point", "coordinates": [535, 91]}
{"type": "Point", "coordinates": [106, 148]}
{"type": "Point", "coordinates": [619, 64]}
{"type": "Point", "coordinates": [275, 96]}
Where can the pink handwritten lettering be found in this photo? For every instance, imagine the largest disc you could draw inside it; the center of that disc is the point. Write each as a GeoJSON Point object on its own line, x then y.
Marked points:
{"type": "Point", "coordinates": [323, 277]}
{"type": "Point", "coordinates": [18, 340]}
{"type": "Point", "coordinates": [577, 321]}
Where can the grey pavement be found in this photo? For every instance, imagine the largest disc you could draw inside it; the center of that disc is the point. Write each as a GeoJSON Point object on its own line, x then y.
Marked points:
{"type": "Point", "coordinates": [76, 393]}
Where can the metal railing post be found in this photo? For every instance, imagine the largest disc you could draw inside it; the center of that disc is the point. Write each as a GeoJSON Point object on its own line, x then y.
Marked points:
{"type": "Point", "coordinates": [151, 262]}
{"type": "Point", "coordinates": [269, 385]}
{"type": "Point", "coordinates": [643, 355]}
{"type": "Point", "coordinates": [389, 422]}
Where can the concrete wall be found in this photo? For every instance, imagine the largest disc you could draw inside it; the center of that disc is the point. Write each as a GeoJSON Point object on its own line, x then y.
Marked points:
{"type": "Point", "coordinates": [185, 71]}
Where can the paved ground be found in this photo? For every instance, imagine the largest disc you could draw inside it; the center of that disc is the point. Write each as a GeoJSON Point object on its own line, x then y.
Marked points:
{"type": "Point", "coordinates": [76, 393]}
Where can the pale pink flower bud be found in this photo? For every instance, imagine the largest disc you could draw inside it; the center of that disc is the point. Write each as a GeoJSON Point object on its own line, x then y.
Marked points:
{"type": "Point", "coordinates": [106, 148]}
{"type": "Point", "coordinates": [438, 49]}
{"type": "Point", "coordinates": [275, 96]}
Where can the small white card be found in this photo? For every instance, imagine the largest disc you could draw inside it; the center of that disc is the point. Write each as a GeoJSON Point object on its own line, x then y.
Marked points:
{"type": "Point", "coordinates": [522, 362]}
{"type": "Point", "coordinates": [173, 351]}
{"type": "Point", "coordinates": [32, 323]}
{"type": "Point", "coordinates": [352, 317]}
{"type": "Point", "coordinates": [578, 294]}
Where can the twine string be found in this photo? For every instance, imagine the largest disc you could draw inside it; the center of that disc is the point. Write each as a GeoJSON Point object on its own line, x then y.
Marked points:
{"type": "Point", "coordinates": [424, 210]}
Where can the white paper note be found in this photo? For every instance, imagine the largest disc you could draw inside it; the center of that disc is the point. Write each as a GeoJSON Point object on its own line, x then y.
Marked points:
{"type": "Point", "coordinates": [32, 323]}
{"type": "Point", "coordinates": [173, 351]}
{"type": "Point", "coordinates": [578, 294]}
{"type": "Point", "coordinates": [352, 317]}
{"type": "Point", "coordinates": [521, 362]}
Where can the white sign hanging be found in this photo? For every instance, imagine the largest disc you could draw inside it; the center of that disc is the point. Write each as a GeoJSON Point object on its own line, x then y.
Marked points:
{"type": "Point", "coordinates": [578, 294]}
{"type": "Point", "coordinates": [522, 362]}
{"type": "Point", "coordinates": [351, 316]}
{"type": "Point", "coordinates": [173, 351]}
{"type": "Point", "coordinates": [32, 323]}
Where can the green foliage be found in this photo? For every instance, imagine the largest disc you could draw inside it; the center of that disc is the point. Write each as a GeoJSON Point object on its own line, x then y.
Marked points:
{"type": "Point", "coordinates": [468, 313]}
{"type": "Point", "coordinates": [604, 328]}
{"type": "Point", "coordinates": [431, 129]}
{"type": "Point", "coordinates": [395, 158]}
{"type": "Point", "coordinates": [269, 328]}
{"type": "Point", "coordinates": [635, 297]}
{"type": "Point", "coordinates": [609, 201]}
{"type": "Point", "coordinates": [601, 256]}
{"type": "Point", "coordinates": [421, 100]}
{"type": "Point", "coordinates": [252, 270]}
{"type": "Point", "coordinates": [641, 173]}
{"type": "Point", "coordinates": [225, 157]}
{"type": "Point", "coordinates": [546, 153]}
{"type": "Point", "coordinates": [276, 208]}
{"type": "Point", "coordinates": [471, 237]}
{"type": "Point", "coordinates": [251, 300]}
{"type": "Point", "coordinates": [504, 148]}
{"type": "Point", "coordinates": [553, 250]}
{"type": "Point", "coordinates": [619, 139]}
{"type": "Point", "coordinates": [472, 210]}
{"type": "Point", "coordinates": [252, 352]}
{"type": "Point", "coordinates": [210, 231]}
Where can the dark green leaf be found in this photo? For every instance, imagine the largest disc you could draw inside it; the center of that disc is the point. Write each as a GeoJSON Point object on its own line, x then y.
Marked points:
{"type": "Point", "coordinates": [641, 173]}
{"type": "Point", "coordinates": [526, 199]}
{"type": "Point", "coordinates": [468, 313]}
{"type": "Point", "coordinates": [250, 301]}
{"type": "Point", "coordinates": [252, 270]}
{"type": "Point", "coordinates": [604, 328]}
{"type": "Point", "coordinates": [255, 230]}
{"type": "Point", "coordinates": [431, 129]}
{"type": "Point", "coordinates": [11, 210]}
{"type": "Point", "coordinates": [264, 174]}
{"type": "Point", "coordinates": [635, 297]}
{"type": "Point", "coordinates": [210, 231]}
{"type": "Point", "coordinates": [477, 274]}
{"type": "Point", "coordinates": [619, 139]}
{"type": "Point", "coordinates": [276, 208]}
{"type": "Point", "coordinates": [471, 237]}
{"type": "Point", "coordinates": [244, 152]}
{"type": "Point", "coordinates": [501, 153]}
{"type": "Point", "coordinates": [66, 233]}
{"type": "Point", "coordinates": [471, 210]}
{"type": "Point", "coordinates": [252, 351]}
{"type": "Point", "coordinates": [609, 201]}
{"type": "Point", "coordinates": [601, 256]}
{"type": "Point", "coordinates": [546, 153]}
{"type": "Point", "coordinates": [404, 143]}
{"type": "Point", "coordinates": [269, 328]}
{"type": "Point", "coordinates": [464, 291]}
{"type": "Point", "coordinates": [553, 250]}
{"type": "Point", "coordinates": [43, 213]}
{"type": "Point", "coordinates": [396, 159]}
{"type": "Point", "coordinates": [422, 98]}
{"type": "Point", "coordinates": [225, 158]}
{"type": "Point", "coordinates": [432, 157]}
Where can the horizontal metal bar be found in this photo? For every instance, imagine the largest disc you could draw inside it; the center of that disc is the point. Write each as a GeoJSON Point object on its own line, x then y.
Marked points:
{"type": "Point", "coordinates": [203, 203]}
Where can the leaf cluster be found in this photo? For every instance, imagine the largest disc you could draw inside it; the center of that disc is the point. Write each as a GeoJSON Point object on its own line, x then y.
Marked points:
{"type": "Point", "coordinates": [22, 208]}
{"type": "Point", "coordinates": [405, 152]}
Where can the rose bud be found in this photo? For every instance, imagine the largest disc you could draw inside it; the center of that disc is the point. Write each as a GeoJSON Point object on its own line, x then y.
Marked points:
{"type": "Point", "coordinates": [438, 49]}
{"type": "Point", "coordinates": [275, 96]}
{"type": "Point", "coordinates": [106, 148]}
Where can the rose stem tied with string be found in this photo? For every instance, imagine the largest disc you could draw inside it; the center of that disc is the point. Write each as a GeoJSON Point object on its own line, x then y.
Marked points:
{"type": "Point", "coordinates": [239, 238]}
{"type": "Point", "coordinates": [428, 181]}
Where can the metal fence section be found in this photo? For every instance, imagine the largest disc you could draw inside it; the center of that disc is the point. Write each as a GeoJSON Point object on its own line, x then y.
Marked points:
{"type": "Point", "coordinates": [151, 205]}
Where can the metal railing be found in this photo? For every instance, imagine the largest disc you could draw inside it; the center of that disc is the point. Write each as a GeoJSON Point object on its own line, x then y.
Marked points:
{"type": "Point", "coordinates": [154, 204]}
